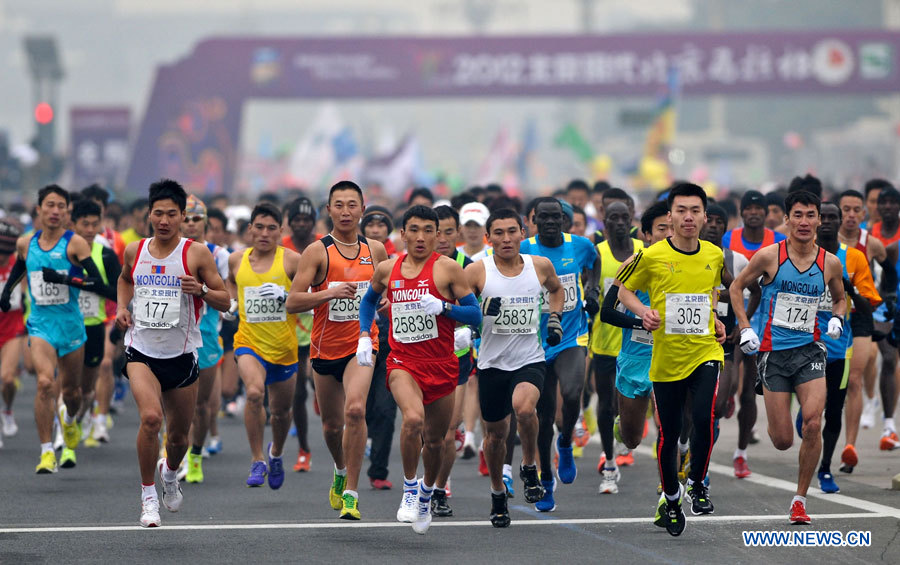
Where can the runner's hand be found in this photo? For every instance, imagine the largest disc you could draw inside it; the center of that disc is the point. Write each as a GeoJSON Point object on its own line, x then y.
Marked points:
{"type": "Point", "coordinates": [651, 320]}
{"type": "Point", "coordinates": [190, 285]}
{"type": "Point", "coordinates": [720, 331]}
{"type": "Point", "coordinates": [554, 329]}
{"type": "Point", "coordinates": [490, 306]}
{"type": "Point", "coordinates": [230, 314]}
{"type": "Point", "coordinates": [835, 328]}
{"type": "Point", "coordinates": [343, 290]}
{"type": "Point", "coordinates": [364, 352]}
{"type": "Point", "coordinates": [123, 319]}
{"type": "Point", "coordinates": [52, 276]}
{"type": "Point", "coordinates": [749, 341]}
{"type": "Point", "coordinates": [272, 290]}
{"type": "Point", "coordinates": [591, 306]}
{"type": "Point", "coordinates": [431, 304]}
{"type": "Point", "coordinates": [462, 338]}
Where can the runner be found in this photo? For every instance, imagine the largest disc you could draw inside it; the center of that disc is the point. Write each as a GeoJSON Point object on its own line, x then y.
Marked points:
{"type": "Point", "coordinates": [169, 280]}
{"type": "Point", "coordinates": [265, 344]}
{"type": "Point", "coordinates": [472, 218]}
{"type": "Point", "coordinates": [680, 275]}
{"type": "Point", "coordinates": [422, 370]}
{"type": "Point", "coordinates": [792, 360]}
{"type": "Point", "coordinates": [337, 269]}
{"type": "Point", "coordinates": [12, 328]}
{"type": "Point", "coordinates": [577, 266]}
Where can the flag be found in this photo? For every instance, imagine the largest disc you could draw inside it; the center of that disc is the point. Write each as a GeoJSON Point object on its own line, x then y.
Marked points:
{"type": "Point", "coordinates": [315, 155]}
{"type": "Point", "coordinates": [527, 150]}
{"type": "Point", "coordinates": [396, 171]}
{"type": "Point", "coordinates": [498, 160]}
{"type": "Point", "coordinates": [662, 131]}
{"type": "Point", "coordinates": [570, 138]}
{"type": "Point", "coordinates": [158, 269]}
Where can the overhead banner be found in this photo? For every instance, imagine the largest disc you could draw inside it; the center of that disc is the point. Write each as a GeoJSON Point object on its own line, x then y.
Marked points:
{"type": "Point", "coordinates": [193, 119]}
{"type": "Point", "coordinates": [99, 144]}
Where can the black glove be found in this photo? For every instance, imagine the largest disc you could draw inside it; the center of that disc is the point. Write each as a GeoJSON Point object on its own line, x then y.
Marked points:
{"type": "Point", "coordinates": [554, 329]}
{"type": "Point", "coordinates": [848, 287]}
{"type": "Point", "coordinates": [52, 276]}
{"type": "Point", "coordinates": [4, 302]}
{"type": "Point", "coordinates": [591, 306]}
{"type": "Point", "coordinates": [115, 334]}
{"type": "Point", "coordinates": [890, 305]}
{"type": "Point", "coordinates": [490, 306]}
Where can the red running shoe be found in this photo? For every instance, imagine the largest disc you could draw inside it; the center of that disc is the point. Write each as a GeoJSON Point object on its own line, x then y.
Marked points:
{"type": "Point", "coordinates": [798, 513]}
{"type": "Point", "coordinates": [741, 470]}
{"type": "Point", "coordinates": [303, 461]}
{"type": "Point", "coordinates": [381, 484]}
{"type": "Point", "coordinates": [482, 464]}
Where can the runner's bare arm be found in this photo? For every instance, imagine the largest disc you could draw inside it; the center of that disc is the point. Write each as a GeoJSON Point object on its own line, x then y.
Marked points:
{"type": "Point", "coordinates": [234, 263]}
{"type": "Point", "coordinates": [125, 288]}
{"type": "Point", "coordinates": [311, 268]}
{"type": "Point", "coordinates": [876, 249]}
{"type": "Point", "coordinates": [549, 280]}
{"type": "Point", "coordinates": [379, 254]}
{"type": "Point", "coordinates": [760, 264]}
{"type": "Point", "coordinates": [475, 275]}
{"type": "Point", "coordinates": [208, 274]}
{"type": "Point", "coordinates": [291, 263]}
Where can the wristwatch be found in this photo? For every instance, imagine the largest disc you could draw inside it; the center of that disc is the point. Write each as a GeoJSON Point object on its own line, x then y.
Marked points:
{"type": "Point", "coordinates": [203, 290]}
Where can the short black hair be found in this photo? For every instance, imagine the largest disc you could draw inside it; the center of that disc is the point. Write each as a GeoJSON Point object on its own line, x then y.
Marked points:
{"type": "Point", "coordinates": [494, 187]}
{"type": "Point", "coordinates": [168, 189]}
{"type": "Point", "coordinates": [617, 194]}
{"type": "Point", "coordinates": [503, 214]}
{"type": "Point", "coordinates": [686, 189]}
{"type": "Point", "coordinates": [804, 197]}
{"type": "Point", "coordinates": [543, 200]}
{"type": "Point", "coordinates": [140, 204]}
{"type": "Point", "coordinates": [421, 191]}
{"type": "Point", "coordinates": [96, 192]}
{"type": "Point", "coordinates": [579, 210]}
{"type": "Point", "coordinates": [53, 189]}
{"type": "Point", "coordinates": [270, 197]}
{"type": "Point", "coordinates": [217, 214]}
{"type": "Point", "coordinates": [577, 184]}
{"type": "Point", "coordinates": [835, 204]}
{"type": "Point", "coordinates": [876, 184]}
{"type": "Point", "coordinates": [774, 198]}
{"type": "Point", "coordinates": [887, 194]}
{"type": "Point", "coordinates": [601, 186]}
{"type": "Point", "coordinates": [266, 209]}
{"type": "Point", "coordinates": [85, 207]}
{"type": "Point", "coordinates": [850, 193]}
{"type": "Point", "coordinates": [504, 201]}
{"type": "Point", "coordinates": [808, 183]}
{"type": "Point", "coordinates": [422, 212]}
{"type": "Point", "coordinates": [655, 210]}
{"type": "Point", "coordinates": [346, 185]}
{"type": "Point", "coordinates": [532, 204]}
{"type": "Point", "coordinates": [461, 200]}
{"type": "Point", "coordinates": [444, 212]}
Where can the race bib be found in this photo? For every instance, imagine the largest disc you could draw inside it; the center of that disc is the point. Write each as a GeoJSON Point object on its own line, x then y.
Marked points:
{"type": "Point", "coordinates": [89, 304]}
{"type": "Point", "coordinates": [15, 299]}
{"type": "Point", "coordinates": [795, 312]}
{"type": "Point", "coordinates": [410, 323]}
{"type": "Point", "coordinates": [722, 309]}
{"type": "Point", "coordinates": [259, 309]}
{"type": "Point", "coordinates": [518, 315]}
{"type": "Point", "coordinates": [687, 314]}
{"type": "Point", "coordinates": [607, 284]}
{"type": "Point", "coordinates": [47, 294]}
{"type": "Point", "coordinates": [569, 283]}
{"type": "Point", "coordinates": [642, 336]}
{"type": "Point", "coordinates": [157, 308]}
{"type": "Point", "coordinates": [346, 309]}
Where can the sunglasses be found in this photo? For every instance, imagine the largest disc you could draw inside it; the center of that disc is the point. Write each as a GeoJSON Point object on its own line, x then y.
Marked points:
{"type": "Point", "coordinates": [194, 218]}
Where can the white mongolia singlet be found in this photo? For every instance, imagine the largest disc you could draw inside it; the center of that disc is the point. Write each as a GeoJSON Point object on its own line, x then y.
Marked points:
{"type": "Point", "coordinates": [166, 321]}
{"type": "Point", "coordinates": [512, 339]}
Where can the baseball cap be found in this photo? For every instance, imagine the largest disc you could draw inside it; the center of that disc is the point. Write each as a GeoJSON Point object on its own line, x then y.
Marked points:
{"type": "Point", "coordinates": [753, 198]}
{"type": "Point", "coordinates": [194, 206]}
{"type": "Point", "coordinates": [473, 212]}
{"type": "Point", "coordinates": [9, 233]}
{"type": "Point", "coordinates": [300, 206]}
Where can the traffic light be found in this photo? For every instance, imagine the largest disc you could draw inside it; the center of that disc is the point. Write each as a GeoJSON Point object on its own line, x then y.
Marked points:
{"type": "Point", "coordinates": [43, 115]}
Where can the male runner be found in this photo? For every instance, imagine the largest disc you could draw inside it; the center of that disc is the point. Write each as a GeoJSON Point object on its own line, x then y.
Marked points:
{"type": "Point", "coordinates": [52, 258]}
{"type": "Point", "coordinates": [472, 217]}
{"type": "Point", "coordinates": [511, 362]}
{"type": "Point", "coordinates": [12, 328]}
{"type": "Point", "coordinates": [681, 275]}
{"type": "Point", "coordinates": [422, 370]}
{"type": "Point", "coordinates": [577, 266]}
{"type": "Point", "coordinates": [265, 344]}
{"type": "Point", "coordinates": [872, 190]}
{"type": "Point", "coordinates": [795, 274]}
{"type": "Point", "coordinates": [169, 279]}
{"type": "Point", "coordinates": [332, 278]}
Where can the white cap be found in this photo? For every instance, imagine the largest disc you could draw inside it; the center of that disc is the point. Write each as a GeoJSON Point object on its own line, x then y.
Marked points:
{"type": "Point", "coordinates": [473, 212]}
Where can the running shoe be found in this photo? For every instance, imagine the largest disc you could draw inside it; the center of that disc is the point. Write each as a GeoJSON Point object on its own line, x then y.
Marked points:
{"type": "Point", "coordinates": [150, 513]}
{"type": "Point", "coordinates": [590, 421]}
{"type": "Point", "coordinates": [685, 470]}
{"type": "Point", "coordinates": [58, 436]}
{"type": "Point", "coordinates": [580, 437]}
{"type": "Point", "coordinates": [531, 485]}
{"type": "Point", "coordinates": [546, 503]}
{"type": "Point", "coordinates": [849, 459]}
{"type": "Point", "coordinates": [601, 463]}
{"type": "Point", "coordinates": [827, 484]}
{"type": "Point", "coordinates": [700, 501]}
{"type": "Point", "coordinates": [566, 470]}
{"type": "Point", "coordinates": [669, 514]}
{"type": "Point", "coordinates": [754, 437]}
{"type": "Point", "coordinates": [741, 469]}
{"type": "Point", "coordinates": [577, 451]}
{"type": "Point", "coordinates": [381, 484]}
{"type": "Point", "coordinates": [71, 432]}
{"type": "Point", "coordinates": [447, 489]}
{"type": "Point", "coordinates": [459, 439]}
{"type": "Point", "coordinates": [609, 484]}
{"type": "Point", "coordinates": [215, 445]}
{"type": "Point", "coordinates": [482, 464]}
{"type": "Point", "coordinates": [889, 441]}
{"type": "Point", "coordinates": [47, 464]}
{"type": "Point", "coordinates": [335, 494]}
{"type": "Point", "coordinates": [257, 477]}
{"type": "Point", "coordinates": [468, 450]}
{"type": "Point", "coordinates": [798, 513]}
{"type": "Point", "coordinates": [182, 470]}
{"type": "Point", "coordinates": [423, 512]}
{"type": "Point", "coordinates": [101, 431]}
{"type": "Point", "coordinates": [408, 504]}
{"type": "Point", "coordinates": [195, 468]}
{"type": "Point", "coordinates": [653, 451]}
{"type": "Point", "coordinates": [349, 508]}
{"type": "Point", "coordinates": [9, 424]}
{"type": "Point", "coordinates": [276, 470]}
{"type": "Point", "coordinates": [661, 513]}
{"type": "Point", "coordinates": [499, 511]}
{"type": "Point", "coordinates": [798, 423]}
{"type": "Point", "coordinates": [67, 458]}
{"type": "Point", "coordinates": [867, 419]}
{"type": "Point", "coordinates": [624, 456]}
{"type": "Point", "coordinates": [172, 496]}
{"type": "Point", "coordinates": [508, 483]}
{"type": "Point", "coordinates": [439, 506]}
{"type": "Point", "coordinates": [91, 442]}
{"type": "Point", "coordinates": [303, 461]}
{"type": "Point", "coordinates": [87, 426]}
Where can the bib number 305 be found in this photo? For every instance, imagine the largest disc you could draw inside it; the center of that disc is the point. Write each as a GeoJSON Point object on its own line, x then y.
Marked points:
{"type": "Point", "coordinates": [687, 314]}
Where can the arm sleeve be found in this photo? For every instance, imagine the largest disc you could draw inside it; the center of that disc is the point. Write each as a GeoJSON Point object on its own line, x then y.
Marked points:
{"type": "Point", "coordinates": [888, 277]}
{"type": "Point", "coordinates": [634, 275]}
{"type": "Point", "coordinates": [15, 275]}
{"type": "Point", "coordinates": [367, 309]}
{"type": "Point", "coordinates": [609, 314]}
{"type": "Point", "coordinates": [468, 312]}
{"type": "Point", "coordinates": [93, 282]}
{"type": "Point", "coordinates": [112, 267]}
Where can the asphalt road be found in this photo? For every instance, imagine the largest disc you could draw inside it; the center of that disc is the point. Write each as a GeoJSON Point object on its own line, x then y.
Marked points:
{"type": "Point", "coordinates": [90, 513]}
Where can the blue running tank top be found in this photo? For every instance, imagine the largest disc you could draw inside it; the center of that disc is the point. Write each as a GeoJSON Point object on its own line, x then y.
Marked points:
{"type": "Point", "coordinates": [637, 343]}
{"type": "Point", "coordinates": [835, 348]}
{"type": "Point", "coordinates": [50, 301]}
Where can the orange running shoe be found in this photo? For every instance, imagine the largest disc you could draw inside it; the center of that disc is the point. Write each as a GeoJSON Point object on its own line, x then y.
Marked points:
{"type": "Point", "coordinates": [601, 463]}
{"type": "Point", "coordinates": [798, 513]}
{"type": "Point", "coordinates": [849, 457]}
{"type": "Point", "coordinates": [302, 464]}
{"type": "Point", "coordinates": [626, 460]}
{"type": "Point", "coordinates": [889, 441]}
{"type": "Point", "coordinates": [482, 464]}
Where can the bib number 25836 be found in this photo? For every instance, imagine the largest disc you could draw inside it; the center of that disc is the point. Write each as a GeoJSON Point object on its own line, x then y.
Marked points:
{"type": "Point", "coordinates": [410, 323]}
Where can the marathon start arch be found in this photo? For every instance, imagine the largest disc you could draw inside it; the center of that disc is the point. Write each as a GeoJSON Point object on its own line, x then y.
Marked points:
{"type": "Point", "coordinates": [193, 118]}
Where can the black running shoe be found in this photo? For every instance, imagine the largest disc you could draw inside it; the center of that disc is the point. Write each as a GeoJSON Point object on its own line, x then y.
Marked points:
{"type": "Point", "coordinates": [534, 490]}
{"type": "Point", "coordinates": [499, 511]}
{"type": "Point", "coordinates": [439, 506]}
{"type": "Point", "coordinates": [700, 502]}
{"type": "Point", "coordinates": [675, 521]}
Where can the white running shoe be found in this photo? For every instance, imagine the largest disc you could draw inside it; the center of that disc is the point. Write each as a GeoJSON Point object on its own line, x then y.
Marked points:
{"type": "Point", "coordinates": [150, 513]}
{"type": "Point", "coordinates": [58, 442]}
{"type": "Point", "coordinates": [620, 448]}
{"type": "Point", "coordinates": [100, 431]}
{"type": "Point", "coordinates": [182, 470]}
{"type": "Point", "coordinates": [9, 424]}
{"type": "Point", "coordinates": [609, 484]}
{"type": "Point", "coordinates": [87, 426]}
{"type": "Point", "coordinates": [867, 420]}
{"type": "Point", "coordinates": [408, 506]}
{"type": "Point", "coordinates": [172, 496]}
{"type": "Point", "coordinates": [423, 514]}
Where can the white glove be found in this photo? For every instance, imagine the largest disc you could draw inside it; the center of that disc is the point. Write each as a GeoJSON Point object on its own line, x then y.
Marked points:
{"type": "Point", "coordinates": [749, 341]}
{"type": "Point", "coordinates": [462, 338]}
{"type": "Point", "coordinates": [835, 328]}
{"type": "Point", "coordinates": [230, 313]}
{"type": "Point", "coordinates": [364, 352]}
{"type": "Point", "coordinates": [272, 290]}
{"type": "Point", "coordinates": [432, 304]}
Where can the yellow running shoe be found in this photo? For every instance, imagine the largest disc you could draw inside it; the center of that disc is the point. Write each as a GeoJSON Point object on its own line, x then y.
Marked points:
{"type": "Point", "coordinates": [195, 468]}
{"type": "Point", "coordinates": [335, 495]}
{"type": "Point", "coordinates": [67, 458]}
{"type": "Point", "coordinates": [71, 432]}
{"type": "Point", "coordinates": [685, 470]}
{"type": "Point", "coordinates": [47, 464]}
{"type": "Point", "coordinates": [654, 454]}
{"type": "Point", "coordinates": [577, 451]}
{"type": "Point", "coordinates": [91, 442]}
{"type": "Point", "coordinates": [350, 509]}
{"type": "Point", "coordinates": [590, 421]}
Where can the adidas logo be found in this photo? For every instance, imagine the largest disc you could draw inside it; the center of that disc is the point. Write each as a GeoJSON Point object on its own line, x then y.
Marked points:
{"type": "Point", "coordinates": [708, 267]}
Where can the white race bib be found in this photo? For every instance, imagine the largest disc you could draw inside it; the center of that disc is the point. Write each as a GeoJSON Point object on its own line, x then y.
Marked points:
{"type": "Point", "coordinates": [687, 314]}
{"type": "Point", "coordinates": [795, 312]}
{"type": "Point", "coordinates": [48, 294]}
{"type": "Point", "coordinates": [642, 336]}
{"type": "Point", "coordinates": [89, 304]}
{"type": "Point", "coordinates": [722, 309]}
{"type": "Point", "coordinates": [15, 299]}
{"type": "Point", "coordinates": [569, 283]}
{"type": "Point", "coordinates": [259, 309]}
{"type": "Point", "coordinates": [518, 315]}
{"type": "Point", "coordinates": [346, 309]}
{"type": "Point", "coordinates": [157, 308]}
{"type": "Point", "coordinates": [410, 323]}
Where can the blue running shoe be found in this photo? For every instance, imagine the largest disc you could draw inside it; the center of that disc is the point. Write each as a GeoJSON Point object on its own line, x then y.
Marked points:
{"type": "Point", "coordinates": [799, 423]}
{"type": "Point", "coordinates": [257, 474]}
{"type": "Point", "coordinates": [293, 431]}
{"type": "Point", "coordinates": [566, 471]}
{"type": "Point", "coordinates": [215, 445]}
{"type": "Point", "coordinates": [706, 480]}
{"type": "Point", "coordinates": [827, 484]}
{"type": "Point", "coordinates": [508, 481]}
{"type": "Point", "coordinates": [547, 504]}
{"type": "Point", "coordinates": [276, 470]}
{"type": "Point", "coordinates": [715, 430]}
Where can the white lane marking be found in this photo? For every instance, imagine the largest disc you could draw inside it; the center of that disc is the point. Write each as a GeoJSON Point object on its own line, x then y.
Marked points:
{"type": "Point", "coordinates": [788, 486]}
{"type": "Point", "coordinates": [450, 524]}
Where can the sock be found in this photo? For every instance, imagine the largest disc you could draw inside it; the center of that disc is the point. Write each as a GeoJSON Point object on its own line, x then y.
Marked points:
{"type": "Point", "coordinates": [690, 482]}
{"type": "Point", "coordinates": [889, 424]}
{"type": "Point", "coordinates": [564, 442]}
{"type": "Point", "coordinates": [68, 419]}
{"type": "Point", "coordinates": [353, 493]}
{"type": "Point", "coordinates": [425, 493]}
{"type": "Point", "coordinates": [610, 465]}
{"type": "Point", "coordinates": [273, 456]}
{"type": "Point", "coordinates": [168, 473]}
{"type": "Point", "coordinates": [682, 447]}
{"type": "Point", "coordinates": [340, 472]}
{"type": "Point", "coordinates": [45, 447]}
{"type": "Point", "coordinates": [740, 453]}
{"type": "Point", "coordinates": [507, 470]}
{"type": "Point", "coordinates": [674, 497]}
{"type": "Point", "coordinates": [498, 492]}
{"type": "Point", "coordinates": [824, 469]}
{"type": "Point", "coordinates": [800, 498]}
{"type": "Point", "coordinates": [470, 438]}
{"type": "Point", "coordinates": [410, 484]}
{"type": "Point", "coordinates": [196, 450]}
{"type": "Point", "coordinates": [148, 491]}
{"type": "Point", "coordinates": [440, 490]}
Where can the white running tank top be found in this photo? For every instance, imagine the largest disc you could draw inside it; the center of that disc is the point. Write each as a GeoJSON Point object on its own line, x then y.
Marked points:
{"type": "Point", "coordinates": [166, 321]}
{"type": "Point", "coordinates": [512, 339]}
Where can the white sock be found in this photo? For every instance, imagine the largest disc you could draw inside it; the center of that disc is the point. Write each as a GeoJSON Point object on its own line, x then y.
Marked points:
{"type": "Point", "coordinates": [800, 498]}
{"type": "Point", "coordinates": [168, 474]}
{"type": "Point", "coordinates": [148, 491]}
{"type": "Point", "coordinates": [889, 424]}
{"type": "Point", "coordinates": [273, 456]}
{"type": "Point", "coordinates": [498, 492]}
{"type": "Point", "coordinates": [740, 453]}
{"type": "Point", "coordinates": [507, 470]}
{"type": "Point", "coordinates": [68, 419]}
{"type": "Point", "coordinates": [425, 493]}
{"type": "Point", "coordinates": [410, 484]}
{"type": "Point", "coordinates": [675, 496]}
{"type": "Point", "coordinates": [352, 492]}
{"type": "Point", "coordinates": [470, 438]}
{"type": "Point", "coordinates": [45, 447]}
{"type": "Point", "coordinates": [682, 447]}
{"type": "Point", "coordinates": [340, 472]}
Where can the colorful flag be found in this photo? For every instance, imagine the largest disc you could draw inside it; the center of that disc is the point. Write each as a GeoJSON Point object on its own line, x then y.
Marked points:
{"type": "Point", "coordinates": [158, 269]}
{"type": "Point", "coordinates": [570, 138]}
